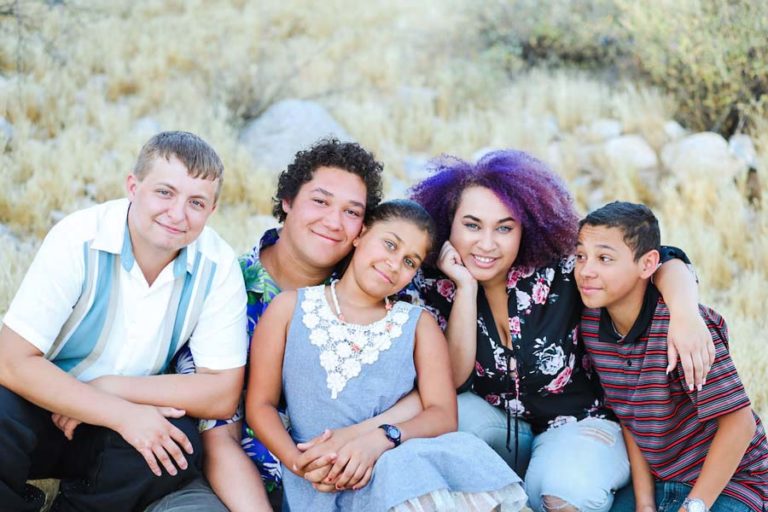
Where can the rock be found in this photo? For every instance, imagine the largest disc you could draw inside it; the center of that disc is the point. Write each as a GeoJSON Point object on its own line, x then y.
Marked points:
{"type": "Point", "coordinates": [145, 128]}
{"type": "Point", "coordinates": [741, 147]}
{"type": "Point", "coordinates": [630, 152]}
{"type": "Point", "coordinates": [702, 156]}
{"type": "Point", "coordinates": [603, 129]}
{"type": "Point", "coordinates": [274, 138]}
{"type": "Point", "coordinates": [674, 131]}
{"type": "Point", "coordinates": [6, 133]}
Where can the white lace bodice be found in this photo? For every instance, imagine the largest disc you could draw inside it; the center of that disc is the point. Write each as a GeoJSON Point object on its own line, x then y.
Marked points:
{"type": "Point", "coordinates": [345, 347]}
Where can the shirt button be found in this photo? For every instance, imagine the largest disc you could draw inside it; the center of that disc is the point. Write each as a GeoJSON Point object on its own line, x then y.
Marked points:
{"type": "Point", "coordinates": [629, 362]}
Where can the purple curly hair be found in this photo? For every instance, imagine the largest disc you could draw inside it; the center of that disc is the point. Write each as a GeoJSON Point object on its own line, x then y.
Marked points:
{"type": "Point", "coordinates": [534, 194]}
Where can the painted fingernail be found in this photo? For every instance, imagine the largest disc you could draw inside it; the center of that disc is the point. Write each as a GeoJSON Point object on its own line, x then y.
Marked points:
{"type": "Point", "coordinates": [699, 387]}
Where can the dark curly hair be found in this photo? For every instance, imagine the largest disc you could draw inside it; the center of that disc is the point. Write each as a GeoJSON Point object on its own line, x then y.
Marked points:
{"type": "Point", "coordinates": [348, 156]}
{"type": "Point", "coordinates": [525, 185]}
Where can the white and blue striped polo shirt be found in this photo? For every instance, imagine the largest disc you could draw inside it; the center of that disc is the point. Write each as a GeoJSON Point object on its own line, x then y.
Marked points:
{"type": "Point", "coordinates": [85, 304]}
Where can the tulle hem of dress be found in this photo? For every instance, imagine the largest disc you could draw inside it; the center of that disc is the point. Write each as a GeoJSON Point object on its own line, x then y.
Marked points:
{"type": "Point", "coordinates": [511, 498]}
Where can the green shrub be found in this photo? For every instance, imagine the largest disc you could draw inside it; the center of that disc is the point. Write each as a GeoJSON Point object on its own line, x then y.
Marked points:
{"type": "Point", "coordinates": [580, 33]}
{"type": "Point", "coordinates": [711, 55]}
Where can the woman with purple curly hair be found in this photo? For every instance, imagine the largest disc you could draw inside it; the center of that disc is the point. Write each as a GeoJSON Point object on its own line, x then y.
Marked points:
{"type": "Point", "coordinates": [502, 287]}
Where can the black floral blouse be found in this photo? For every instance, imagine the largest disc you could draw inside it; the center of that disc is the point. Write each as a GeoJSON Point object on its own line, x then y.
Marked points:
{"type": "Point", "coordinates": [545, 377]}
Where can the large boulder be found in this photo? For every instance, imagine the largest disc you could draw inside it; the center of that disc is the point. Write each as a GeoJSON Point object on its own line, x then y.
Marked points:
{"type": "Point", "coordinates": [274, 138]}
{"type": "Point", "coordinates": [703, 156]}
{"type": "Point", "coordinates": [630, 152]}
{"type": "Point", "coordinates": [741, 147]}
{"type": "Point", "coordinates": [602, 129]}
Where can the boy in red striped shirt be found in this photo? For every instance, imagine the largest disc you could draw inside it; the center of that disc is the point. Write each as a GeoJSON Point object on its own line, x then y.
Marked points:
{"type": "Point", "coordinates": [689, 450]}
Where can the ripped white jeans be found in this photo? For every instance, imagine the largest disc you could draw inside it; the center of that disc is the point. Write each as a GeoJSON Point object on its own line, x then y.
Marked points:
{"type": "Point", "coordinates": [581, 464]}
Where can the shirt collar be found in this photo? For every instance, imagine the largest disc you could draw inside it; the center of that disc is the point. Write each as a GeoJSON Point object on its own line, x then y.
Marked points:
{"type": "Point", "coordinates": [607, 331]}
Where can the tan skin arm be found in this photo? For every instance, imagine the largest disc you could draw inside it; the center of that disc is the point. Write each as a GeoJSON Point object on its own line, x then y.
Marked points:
{"type": "Point", "coordinates": [265, 379]}
{"type": "Point", "coordinates": [212, 394]}
{"type": "Point", "coordinates": [642, 479]}
{"type": "Point", "coordinates": [688, 335]}
{"type": "Point", "coordinates": [461, 332]}
{"type": "Point", "coordinates": [735, 431]}
{"type": "Point", "coordinates": [25, 371]}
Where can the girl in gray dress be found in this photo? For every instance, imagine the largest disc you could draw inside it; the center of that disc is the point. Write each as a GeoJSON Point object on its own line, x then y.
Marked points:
{"type": "Point", "coordinates": [341, 354]}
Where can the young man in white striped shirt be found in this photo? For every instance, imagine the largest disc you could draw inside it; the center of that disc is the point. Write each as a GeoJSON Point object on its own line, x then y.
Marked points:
{"type": "Point", "coordinates": [114, 291]}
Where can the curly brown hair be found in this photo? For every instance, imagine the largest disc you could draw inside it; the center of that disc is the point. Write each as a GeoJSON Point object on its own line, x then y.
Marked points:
{"type": "Point", "coordinates": [348, 156]}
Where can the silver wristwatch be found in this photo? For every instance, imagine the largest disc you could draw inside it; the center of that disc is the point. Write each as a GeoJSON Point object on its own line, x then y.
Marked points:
{"type": "Point", "coordinates": [694, 505]}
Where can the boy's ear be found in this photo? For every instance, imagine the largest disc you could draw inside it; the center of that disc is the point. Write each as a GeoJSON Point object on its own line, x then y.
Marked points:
{"type": "Point", "coordinates": [286, 205]}
{"type": "Point", "coordinates": [649, 262]}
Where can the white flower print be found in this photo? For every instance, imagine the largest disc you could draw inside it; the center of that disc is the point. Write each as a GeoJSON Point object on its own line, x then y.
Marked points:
{"type": "Point", "coordinates": [351, 368]}
{"type": "Point", "coordinates": [523, 300]}
{"type": "Point", "coordinates": [369, 356]}
{"type": "Point", "coordinates": [336, 332]}
{"type": "Point", "coordinates": [311, 320]}
{"type": "Point", "coordinates": [561, 420]}
{"type": "Point", "coordinates": [317, 338]}
{"type": "Point", "coordinates": [551, 360]}
{"type": "Point", "coordinates": [344, 347]}
{"type": "Point", "coordinates": [343, 350]}
{"type": "Point", "coordinates": [567, 264]}
{"type": "Point", "coordinates": [328, 359]}
{"type": "Point", "coordinates": [500, 358]}
{"type": "Point", "coordinates": [515, 407]}
{"type": "Point", "coordinates": [540, 291]}
{"type": "Point", "coordinates": [336, 383]}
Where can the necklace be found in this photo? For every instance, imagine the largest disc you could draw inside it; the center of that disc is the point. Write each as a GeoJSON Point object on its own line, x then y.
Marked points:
{"type": "Point", "coordinates": [616, 331]}
{"type": "Point", "coordinates": [335, 298]}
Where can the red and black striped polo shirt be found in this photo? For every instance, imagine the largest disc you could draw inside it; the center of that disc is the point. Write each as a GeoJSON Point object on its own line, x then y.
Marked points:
{"type": "Point", "coordinates": [672, 426]}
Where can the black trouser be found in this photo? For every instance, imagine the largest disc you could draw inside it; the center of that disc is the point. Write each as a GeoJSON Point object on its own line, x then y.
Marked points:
{"type": "Point", "coordinates": [100, 471]}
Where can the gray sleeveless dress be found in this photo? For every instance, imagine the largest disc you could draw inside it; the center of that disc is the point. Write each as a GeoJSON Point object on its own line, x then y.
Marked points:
{"type": "Point", "coordinates": [332, 382]}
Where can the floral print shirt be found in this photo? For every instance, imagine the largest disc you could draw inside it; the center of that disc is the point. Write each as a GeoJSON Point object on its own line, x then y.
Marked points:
{"type": "Point", "coordinates": [545, 377]}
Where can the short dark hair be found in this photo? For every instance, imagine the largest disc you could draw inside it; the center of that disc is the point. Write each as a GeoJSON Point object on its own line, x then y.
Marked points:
{"type": "Point", "coordinates": [524, 184]}
{"type": "Point", "coordinates": [198, 156]}
{"type": "Point", "coordinates": [405, 209]}
{"type": "Point", "coordinates": [348, 156]}
{"type": "Point", "coordinates": [636, 221]}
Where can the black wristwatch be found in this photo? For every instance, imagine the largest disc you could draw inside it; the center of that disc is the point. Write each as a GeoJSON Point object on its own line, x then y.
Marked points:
{"type": "Point", "coordinates": [392, 433]}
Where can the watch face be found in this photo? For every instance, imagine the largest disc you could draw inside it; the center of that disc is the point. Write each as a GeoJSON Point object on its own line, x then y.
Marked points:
{"type": "Point", "coordinates": [695, 505]}
{"type": "Point", "coordinates": [392, 433]}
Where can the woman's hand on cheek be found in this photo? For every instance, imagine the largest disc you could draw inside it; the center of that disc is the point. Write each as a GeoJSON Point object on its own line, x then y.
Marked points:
{"type": "Point", "coordinates": [449, 262]}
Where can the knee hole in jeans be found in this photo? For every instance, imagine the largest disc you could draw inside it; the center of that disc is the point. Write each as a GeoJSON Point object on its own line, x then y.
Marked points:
{"type": "Point", "coordinates": [599, 434]}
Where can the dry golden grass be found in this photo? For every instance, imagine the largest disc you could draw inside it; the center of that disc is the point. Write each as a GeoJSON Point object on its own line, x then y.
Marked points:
{"type": "Point", "coordinates": [403, 78]}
